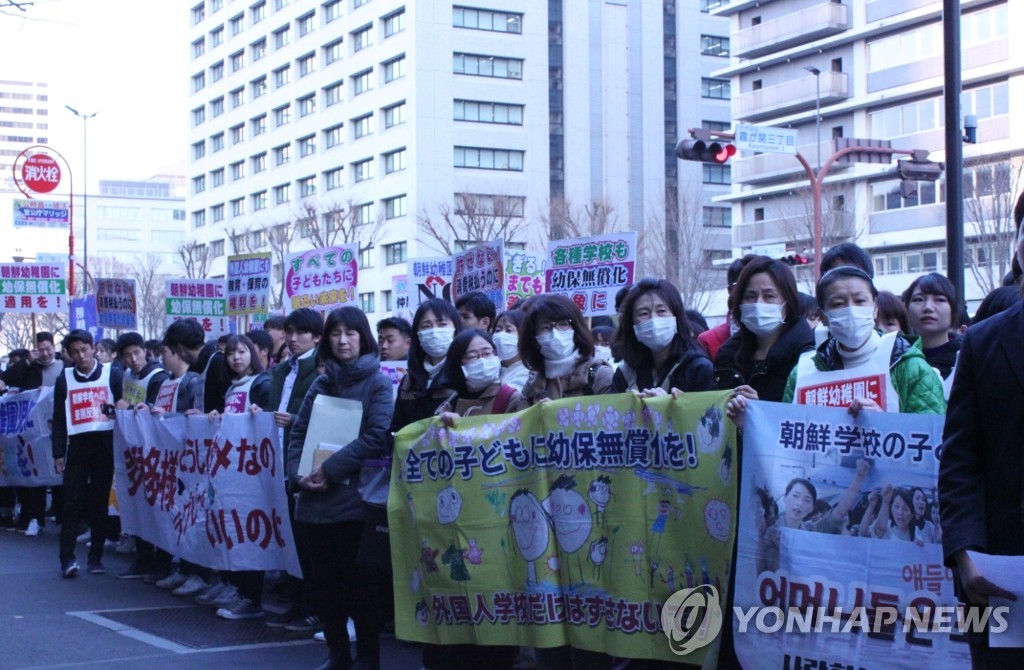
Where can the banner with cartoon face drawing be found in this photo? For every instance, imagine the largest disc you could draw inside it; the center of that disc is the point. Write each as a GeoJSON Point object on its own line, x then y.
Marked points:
{"type": "Point", "coordinates": [571, 522]}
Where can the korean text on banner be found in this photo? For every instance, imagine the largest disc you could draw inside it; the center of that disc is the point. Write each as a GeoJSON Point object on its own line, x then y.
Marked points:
{"type": "Point", "coordinates": [838, 519]}
{"type": "Point", "coordinates": [211, 492]}
{"type": "Point", "coordinates": [323, 279]}
{"type": "Point", "coordinates": [590, 270]}
{"type": "Point", "coordinates": [26, 457]}
{"type": "Point", "coordinates": [33, 287]}
{"type": "Point", "coordinates": [568, 523]}
{"type": "Point", "coordinates": [480, 268]}
{"type": "Point", "coordinates": [524, 276]}
{"type": "Point", "coordinates": [248, 283]}
{"type": "Point", "coordinates": [116, 304]}
{"type": "Point", "coordinates": [430, 278]}
{"type": "Point", "coordinates": [202, 300]}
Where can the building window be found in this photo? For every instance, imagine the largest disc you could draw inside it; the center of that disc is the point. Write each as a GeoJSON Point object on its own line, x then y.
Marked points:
{"type": "Point", "coordinates": [332, 52]}
{"type": "Point", "coordinates": [198, 149]}
{"type": "Point", "coordinates": [332, 94]}
{"type": "Point", "coordinates": [259, 87]}
{"type": "Point", "coordinates": [361, 82]}
{"type": "Point", "coordinates": [217, 211]}
{"type": "Point", "coordinates": [394, 115]}
{"type": "Point", "coordinates": [282, 154]}
{"type": "Point", "coordinates": [307, 105]}
{"type": "Point", "coordinates": [199, 47]}
{"type": "Point", "coordinates": [238, 207]}
{"type": "Point", "coordinates": [259, 201]}
{"type": "Point", "coordinates": [282, 194]}
{"type": "Point", "coordinates": [217, 35]}
{"type": "Point", "coordinates": [217, 71]}
{"type": "Point", "coordinates": [198, 82]}
{"type": "Point", "coordinates": [198, 115]}
{"type": "Point", "coordinates": [199, 184]}
{"type": "Point", "coordinates": [257, 239]}
{"type": "Point", "coordinates": [259, 125]}
{"type": "Point", "coordinates": [259, 162]}
{"type": "Point", "coordinates": [394, 69]}
{"type": "Point", "coordinates": [333, 136]}
{"type": "Point", "coordinates": [237, 170]}
{"type": "Point", "coordinates": [394, 207]}
{"type": "Point", "coordinates": [708, 5]}
{"type": "Point", "coordinates": [237, 97]}
{"type": "Point", "coordinates": [217, 248]}
{"type": "Point", "coordinates": [198, 13]}
{"type": "Point", "coordinates": [307, 64]}
{"type": "Point", "coordinates": [307, 146]}
{"type": "Point", "coordinates": [362, 126]}
{"type": "Point", "coordinates": [395, 253]}
{"type": "Point", "coordinates": [717, 174]}
{"type": "Point", "coordinates": [199, 218]}
{"type": "Point", "coordinates": [366, 302]}
{"type": "Point", "coordinates": [307, 187]}
{"type": "Point", "coordinates": [394, 161]}
{"type": "Point", "coordinates": [282, 115]}
{"type": "Point", "coordinates": [237, 134]}
{"type": "Point", "coordinates": [483, 19]}
{"type": "Point", "coordinates": [217, 177]}
{"type": "Point", "coordinates": [714, 45]}
{"type": "Point", "coordinates": [489, 159]}
{"type": "Point", "coordinates": [217, 142]}
{"type": "Point", "coordinates": [362, 170]}
{"type": "Point", "coordinates": [395, 23]}
{"type": "Point", "coordinates": [332, 11]}
{"type": "Point", "coordinates": [258, 49]}
{"type": "Point", "coordinates": [364, 214]}
{"type": "Point", "coordinates": [490, 205]}
{"type": "Point", "coordinates": [237, 60]}
{"type": "Point", "coordinates": [281, 4]}
{"type": "Point", "coordinates": [306, 23]}
{"type": "Point", "coordinates": [257, 13]}
{"type": "Point", "coordinates": [332, 179]}
{"type": "Point", "coordinates": [282, 37]}
{"type": "Point", "coordinates": [488, 112]}
{"type": "Point", "coordinates": [488, 66]}
{"type": "Point", "coordinates": [237, 24]}
{"type": "Point", "coordinates": [366, 258]}
{"type": "Point", "coordinates": [717, 89]}
{"type": "Point", "coordinates": [718, 217]}
{"type": "Point", "coordinates": [362, 38]}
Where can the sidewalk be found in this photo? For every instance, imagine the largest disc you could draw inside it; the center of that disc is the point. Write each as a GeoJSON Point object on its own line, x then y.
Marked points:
{"type": "Point", "coordinates": [98, 621]}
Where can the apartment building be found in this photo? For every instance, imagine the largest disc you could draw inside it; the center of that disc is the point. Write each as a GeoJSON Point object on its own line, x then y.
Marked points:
{"type": "Point", "coordinates": [24, 121]}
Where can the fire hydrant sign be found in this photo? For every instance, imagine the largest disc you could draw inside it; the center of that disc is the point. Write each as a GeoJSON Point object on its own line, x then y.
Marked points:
{"type": "Point", "coordinates": [590, 270]}
{"type": "Point", "coordinates": [116, 304]}
{"type": "Point", "coordinates": [199, 299]}
{"type": "Point", "coordinates": [32, 287]}
{"type": "Point", "coordinates": [41, 173]}
{"type": "Point", "coordinates": [323, 278]}
{"type": "Point", "coordinates": [248, 284]}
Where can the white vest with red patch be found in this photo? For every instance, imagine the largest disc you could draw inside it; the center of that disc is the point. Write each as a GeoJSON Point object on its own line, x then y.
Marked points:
{"type": "Point", "coordinates": [83, 409]}
{"type": "Point", "coordinates": [839, 388]}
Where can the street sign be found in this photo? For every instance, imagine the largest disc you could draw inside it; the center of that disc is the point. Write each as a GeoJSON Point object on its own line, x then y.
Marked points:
{"type": "Point", "coordinates": [41, 214]}
{"type": "Point", "coordinates": [766, 139]}
{"type": "Point", "coordinates": [41, 173]}
{"type": "Point", "coordinates": [769, 250]}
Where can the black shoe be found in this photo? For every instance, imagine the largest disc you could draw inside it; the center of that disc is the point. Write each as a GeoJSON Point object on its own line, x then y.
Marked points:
{"type": "Point", "coordinates": [282, 619]}
{"type": "Point", "coordinates": [336, 661]}
{"type": "Point", "coordinates": [69, 569]}
{"type": "Point", "coordinates": [309, 624]}
{"type": "Point", "coordinates": [138, 570]}
{"type": "Point", "coordinates": [367, 663]}
{"type": "Point", "coordinates": [95, 567]}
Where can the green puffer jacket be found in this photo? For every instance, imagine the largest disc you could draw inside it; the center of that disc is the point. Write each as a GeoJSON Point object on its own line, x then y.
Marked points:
{"type": "Point", "coordinates": [916, 382]}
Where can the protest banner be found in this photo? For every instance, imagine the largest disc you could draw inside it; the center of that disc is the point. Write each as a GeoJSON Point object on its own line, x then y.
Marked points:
{"type": "Point", "coordinates": [116, 304]}
{"type": "Point", "coordinates": [83, 316]}
{"type": "Point", "coordinates": [323, 279]}
{"type": "Point", "coordinates": [395, 371]}
{"type": "Point", "coordinates": [590, 270]}
{"type": "Point", "coordinates": [248, 283]}
{"type": "Point", "coordinates": [201, 300]}
{"type": "Point", "coordinates": [41, 214]}
{"type": "Point", "coordinates": [568, 523]}
{"type": "Point", "coordinates": [27, 288]}
{"type": "Point", "coordinates": [524, 276]}
{"type": "Point", "coordinates": [480, 268]}
{"type": "Point", "coordinates": [26, 456]}
{"type": "Point", "coordinates": [838, 519]}
{"type": "Point", "coordinates": [211, 492]}
{"type": "Point", "coordinates": [400, 294]}
{"type": "Point", "coordinates": [430, 278]}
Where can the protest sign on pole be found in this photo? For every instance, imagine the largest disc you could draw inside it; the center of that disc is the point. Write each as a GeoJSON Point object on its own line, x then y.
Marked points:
{"type": "Point", "coordinates": [839, 527]}
{"type": "Point", "coordinates": [248, 283]}
{"type": "Point", "coordinates": [570, 523]}
{"type": "Point", "coordinates": [27, 288]}
{"type": "Point", "coordinates": [83, 316]}
{"type": "Point", "coordinates": [199, 299]}
{"type": "Point", "coordinates": [211, 492]}
{"type": "Point", "coordinates": [480, 268]}
{"type": "Point", "coordinates": [41, 214]}
{"type": "Point", "coordinates": [430, 278]}
{"type": "Point", "coordinates": [590, 270]}
{"type": "Point", "coordinates": [116, 304]}
{"type": "Point", "coordinates": [323, 279]}
{"type": "Point", "coordinates": [400, 294]}
{"type": "Point", "coordinates": [524, 276]}
{"type": "Point", "coordinates": [26, 456]}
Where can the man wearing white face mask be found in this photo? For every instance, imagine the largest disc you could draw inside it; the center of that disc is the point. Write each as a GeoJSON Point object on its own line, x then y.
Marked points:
{"type": "Point", "coordinates": [856, 367]}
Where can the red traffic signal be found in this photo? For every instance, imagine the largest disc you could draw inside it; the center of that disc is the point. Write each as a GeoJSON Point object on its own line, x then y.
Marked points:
{"type": "Point", "coordinates": [705, 152]}
{"type": "Point", "coordinates": [796, 259]}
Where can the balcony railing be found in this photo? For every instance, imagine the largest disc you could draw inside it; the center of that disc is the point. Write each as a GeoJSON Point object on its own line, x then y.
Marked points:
{"type": "Point", "coordinates": [792, 95]}
{"type": "Point", "coordinates": [800, 27]}
{"type": "Point", "coordinates": [788, 229]}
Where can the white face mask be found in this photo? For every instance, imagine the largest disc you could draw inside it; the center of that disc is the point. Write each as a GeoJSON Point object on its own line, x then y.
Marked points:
{"type": "Point", "coordinates": [851, 325]}
{"type": "Point", "coordinates": [506, 344]}
{"type": "Point", "coordinates": [656, 332]}
{"type": "Point", "coordinates": [761, 318]}
{"type": "Point", "coordinates": [603, 353]}
{"type": "Point", "coordinates": [481, 373]}
{"type": "Point", "coordinates": [435, 341]}
{"type": "Point", "coordinates": [557, 344]}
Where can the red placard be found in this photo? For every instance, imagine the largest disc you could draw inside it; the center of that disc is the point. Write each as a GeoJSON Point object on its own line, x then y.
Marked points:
{"type": "Point", "coordinates": [41, 173]}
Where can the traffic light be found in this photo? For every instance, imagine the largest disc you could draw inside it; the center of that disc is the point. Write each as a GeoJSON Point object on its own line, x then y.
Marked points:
{"type": "Point", "coordinates": [796, 259]}
{"type": "Point", "coordinates": [919, 168]}
{"type": "Point", "coordinates": [705, 151]}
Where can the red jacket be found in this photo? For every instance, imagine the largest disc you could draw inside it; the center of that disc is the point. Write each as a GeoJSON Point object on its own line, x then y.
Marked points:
{"type": "Point", "coordinates": [713, 339]}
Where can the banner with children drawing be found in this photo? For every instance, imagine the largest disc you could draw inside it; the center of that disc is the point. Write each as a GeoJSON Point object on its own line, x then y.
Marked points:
{"type": "Point", "coordinates": [839, 531]}
{"type": "Point", "coordinates": [571, 522]}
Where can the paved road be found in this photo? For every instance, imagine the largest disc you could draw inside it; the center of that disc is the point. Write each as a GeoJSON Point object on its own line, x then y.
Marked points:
{"type": "Point", "coordinates": [102, 622]}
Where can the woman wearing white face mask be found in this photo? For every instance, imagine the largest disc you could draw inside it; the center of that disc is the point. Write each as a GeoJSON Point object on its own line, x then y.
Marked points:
{"type": "Point", "coordinates": [757, 360]}
{"type": "Point", "coordinates": [658, 354]}
{"type": "Point", "coordinates": [505, 334]}
{"type": "Point", "coordinates": [557, 346]}
{"type": "Point", "coordinates": [856, 367]}
{"type": "Point", "coordinates": [473, 370]}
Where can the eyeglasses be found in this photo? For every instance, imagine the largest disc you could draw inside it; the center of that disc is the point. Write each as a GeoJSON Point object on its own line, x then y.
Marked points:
{"type": "Point", "coordinates": [546, 327]}
{"type": "Point", "coordinates": [471, 356]}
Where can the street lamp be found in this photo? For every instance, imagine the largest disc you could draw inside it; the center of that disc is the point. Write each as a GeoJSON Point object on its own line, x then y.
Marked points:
{"type": "Point", "coordinates": [85, 188]}
{"type": "Point", "coordinates": [817, 108]}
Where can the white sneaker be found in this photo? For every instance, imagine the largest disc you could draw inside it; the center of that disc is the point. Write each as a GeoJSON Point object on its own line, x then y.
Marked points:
{"type": "Point", "coordinates": [240, 608]}
{"type": "Point", "coordinates": [225, 599]}
{"type": "Point", "coordinates": [33, 528]}
{"type": "Point", "coordinates": [212, 593]}
{"type": "Point", "coordinates": [126, 545]}
{"type": "Point", "coordinates": [172, 581]}
{"type": "Point", "coordinates": [319, 636]}
{"type": "Point", "coordinates": [193, 586]}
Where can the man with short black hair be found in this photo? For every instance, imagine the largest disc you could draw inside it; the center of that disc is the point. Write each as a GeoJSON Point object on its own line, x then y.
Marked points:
{"type": "Point", "coordinates": [394, 335]}
{"type": "Point", "coordinates": [83, 447]}
{"type": "Point", "coordinates": [476, 310]}
{"type": "Point", "coordinates": [186, 338]}
{"type": "Point", "coordinates": [46, 359]}
{"type": "Point", "coordinates": [275, 326]}
{"type": "Point", "coordinates": [143, 376]}
{"type": "Point", "coordinates": [264, 347]}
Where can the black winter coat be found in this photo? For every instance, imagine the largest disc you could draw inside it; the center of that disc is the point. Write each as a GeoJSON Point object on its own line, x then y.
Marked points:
{"type": "Point", "coordinates": [694, 373]}
{"type": "Point", "coordinates": [769, 377]}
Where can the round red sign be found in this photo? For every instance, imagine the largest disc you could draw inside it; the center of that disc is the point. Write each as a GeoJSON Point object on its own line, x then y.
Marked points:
{"type": "Point", "coordinates": [41, 173]}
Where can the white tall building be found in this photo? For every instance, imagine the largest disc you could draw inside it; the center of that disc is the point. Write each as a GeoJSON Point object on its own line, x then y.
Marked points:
{"type": "Point", "coordinates": [404, 109]}
{"type": "Point", "coordinates": [880, 66]}
{"type": "Point", "coordinates": [24, 121]}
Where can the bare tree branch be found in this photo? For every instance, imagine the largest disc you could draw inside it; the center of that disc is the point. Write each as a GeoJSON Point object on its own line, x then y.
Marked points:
{"type": "Point", "coordinates": [474, 219]}
{"type": "Point", "coordinates": [196, 259]}
{"type": "Point", "coordinates": [838, 225]}
{"type": "Point", "coordinates": [990, 191]}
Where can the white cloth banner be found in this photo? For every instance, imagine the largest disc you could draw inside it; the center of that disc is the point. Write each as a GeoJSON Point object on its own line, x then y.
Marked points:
{"type": "Point", "coordinates": [26, 455]}
{"type": "Point", "coordinates": [804, 542]}
{"type": "Point", "coordinates": [211, 492]}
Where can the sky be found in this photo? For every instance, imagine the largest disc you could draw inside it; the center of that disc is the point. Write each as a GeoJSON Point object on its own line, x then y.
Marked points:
{"type": "Point", "coordinates": [125, 59]}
